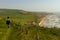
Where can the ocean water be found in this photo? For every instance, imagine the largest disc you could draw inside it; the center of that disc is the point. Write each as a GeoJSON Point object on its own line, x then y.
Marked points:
{"type": "Point", "coordinates": [51, 21]}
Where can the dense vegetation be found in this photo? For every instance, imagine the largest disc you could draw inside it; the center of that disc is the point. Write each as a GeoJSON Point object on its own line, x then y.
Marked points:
{"type": "Point", "coordinates": [22, 29]}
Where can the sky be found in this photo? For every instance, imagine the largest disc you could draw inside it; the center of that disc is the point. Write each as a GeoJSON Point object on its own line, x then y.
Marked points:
{"type": "Point", "coordinates": [32, 5]}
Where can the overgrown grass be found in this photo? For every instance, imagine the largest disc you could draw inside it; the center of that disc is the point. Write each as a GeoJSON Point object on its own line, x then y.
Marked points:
{"type": "Point", "coordinates": [21, 31]}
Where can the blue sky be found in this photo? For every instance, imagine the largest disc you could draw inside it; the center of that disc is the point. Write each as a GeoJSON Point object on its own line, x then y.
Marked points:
{"type": "Point", "coordinates": [32, 5]}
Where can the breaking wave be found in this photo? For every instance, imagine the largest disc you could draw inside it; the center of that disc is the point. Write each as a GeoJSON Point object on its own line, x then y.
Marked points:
{"type": "Point", "coordinates": [50, 21]}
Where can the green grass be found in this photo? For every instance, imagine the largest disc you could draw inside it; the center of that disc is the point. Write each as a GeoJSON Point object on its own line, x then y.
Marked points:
{"type": "Point", "coordinates": [21, 31]}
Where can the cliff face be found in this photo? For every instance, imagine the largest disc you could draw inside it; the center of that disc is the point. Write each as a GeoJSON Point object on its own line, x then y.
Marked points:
{"type": "Point", "coordinates": [50, 21]}
{"type": "Point", "coordinates": [41, 16]}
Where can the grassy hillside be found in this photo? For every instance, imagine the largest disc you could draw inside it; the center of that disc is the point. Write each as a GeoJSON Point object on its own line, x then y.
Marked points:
{"type": "Point", "coordinates": [22, 29]}
{"type": "Point", "coordinates": [35, 33]}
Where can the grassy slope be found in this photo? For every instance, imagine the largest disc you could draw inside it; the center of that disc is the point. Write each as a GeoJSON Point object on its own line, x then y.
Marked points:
{"type": "Point", "coordinates": [25, 32]}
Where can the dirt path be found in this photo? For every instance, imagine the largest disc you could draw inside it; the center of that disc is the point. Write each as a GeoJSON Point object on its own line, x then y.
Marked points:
{"type": "Point", "coordinates": [5, 37]}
